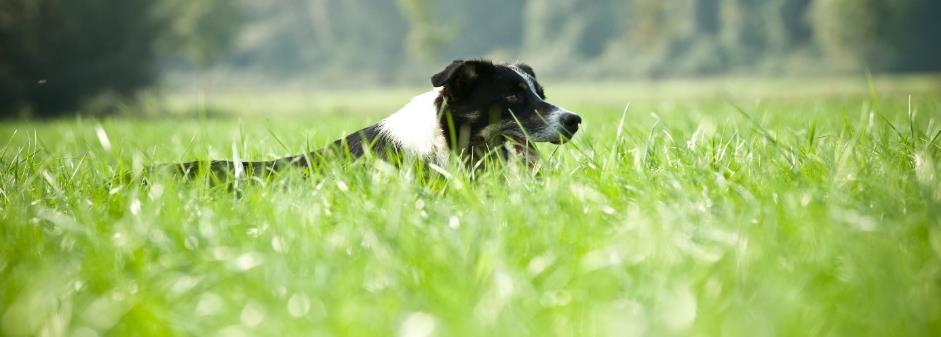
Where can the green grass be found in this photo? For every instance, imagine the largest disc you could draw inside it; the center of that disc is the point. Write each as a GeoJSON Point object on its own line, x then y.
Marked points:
{"type": "Point", "coordinates": [806, 213]}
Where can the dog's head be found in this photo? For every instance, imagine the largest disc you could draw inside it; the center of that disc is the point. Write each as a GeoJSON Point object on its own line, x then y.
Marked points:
{"type": "Point", "coordinates": [482, 102]}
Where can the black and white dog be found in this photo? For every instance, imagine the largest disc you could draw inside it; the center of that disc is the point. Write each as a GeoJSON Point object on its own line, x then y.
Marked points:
{"type": "Point", "coordinates": [476, 109]}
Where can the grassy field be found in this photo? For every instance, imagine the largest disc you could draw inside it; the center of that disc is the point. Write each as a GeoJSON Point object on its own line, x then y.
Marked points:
{"type": "Point", "coordinates": [813, 210]}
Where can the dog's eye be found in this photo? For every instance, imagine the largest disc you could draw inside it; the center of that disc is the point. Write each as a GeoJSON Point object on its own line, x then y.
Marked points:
{"type": "Point", "coordinates": [512, 98]}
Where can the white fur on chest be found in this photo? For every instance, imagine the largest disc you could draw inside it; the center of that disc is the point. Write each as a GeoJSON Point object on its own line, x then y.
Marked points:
{"type": "Point", "coordinates": [416, 130]}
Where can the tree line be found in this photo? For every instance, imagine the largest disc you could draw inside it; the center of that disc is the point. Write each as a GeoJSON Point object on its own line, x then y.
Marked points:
{"type": "Point", "coordinates": [57, 53]}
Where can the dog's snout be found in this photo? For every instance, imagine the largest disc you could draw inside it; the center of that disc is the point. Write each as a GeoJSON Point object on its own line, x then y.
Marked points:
{"type": "Point", "coordinates": [570, 121]}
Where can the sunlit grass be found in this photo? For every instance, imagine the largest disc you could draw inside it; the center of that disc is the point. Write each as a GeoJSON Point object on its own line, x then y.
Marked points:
{"type": "Point", "coordinates": [810, 215]}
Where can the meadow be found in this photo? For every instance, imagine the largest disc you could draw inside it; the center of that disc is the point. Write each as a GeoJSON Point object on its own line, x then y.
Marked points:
{"type": "Point", "coordinates": [732, 207]}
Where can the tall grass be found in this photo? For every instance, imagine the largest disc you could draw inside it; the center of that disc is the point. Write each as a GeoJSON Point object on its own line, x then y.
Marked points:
{"type": "Point", "coordinates": [794, 216]}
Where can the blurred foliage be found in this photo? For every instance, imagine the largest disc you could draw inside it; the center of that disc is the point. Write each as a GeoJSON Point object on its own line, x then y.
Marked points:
{"type": "Point", "coordinates": [388, 41]}
{"type": "Point", "coordinates": [199, 31]}
{"type": "Point", "coordinates": [339, 38]}
{"type": "Point", "coordinates": [57, 54]}
{"type": "Point", "coordinates": [424, 38]}
{"type": "Point", "coordinates": [884, 35]}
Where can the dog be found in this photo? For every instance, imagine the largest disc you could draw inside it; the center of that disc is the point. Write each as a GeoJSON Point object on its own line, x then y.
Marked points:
{"type": "Point", "coordinates": [475, 109]}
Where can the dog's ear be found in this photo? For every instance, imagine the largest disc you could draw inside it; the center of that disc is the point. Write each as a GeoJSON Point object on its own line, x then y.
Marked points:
{"type": "Point", "coordinates": [529, 71]}
{"type": "Point", "coordinates": [460, 73]}
{"type": "Point", "coordinates": [526, 69]}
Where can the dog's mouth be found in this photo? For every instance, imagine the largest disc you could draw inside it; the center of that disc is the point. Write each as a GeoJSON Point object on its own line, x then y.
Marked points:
{"type": "Point", "coordinates": [518, 143]}
{"type": "Point", "coordinates": [564, 136]}
{"type": "Point", "coordinates": [561, 140]}
{"type": "Point", "coordinates": [561, 137]}
{"type": "Point", "coordinates": [521, 145]}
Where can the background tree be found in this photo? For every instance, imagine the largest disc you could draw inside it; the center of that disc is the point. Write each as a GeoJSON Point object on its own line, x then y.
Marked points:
{"type": "Point", "coordinates": [58, 53]}
{"type": "Point", "coordinates": [880, 35]}
{"type": "Point", "coordinates": [199, 32]}
{"type": "Point", "coordinates": [348, 42]}
{"type": "Point", "coordinates": [557, 31]}
{"type": "Point", "coordinates": [860, 32]}
{"type": "Point", "coordinates": [426, 37]}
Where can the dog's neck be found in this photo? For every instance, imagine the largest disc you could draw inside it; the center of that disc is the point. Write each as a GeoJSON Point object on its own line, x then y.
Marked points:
{"type": "Point", "coordinates": [469, 133]}
{"type": "Point", "coordinates": [414, 129]}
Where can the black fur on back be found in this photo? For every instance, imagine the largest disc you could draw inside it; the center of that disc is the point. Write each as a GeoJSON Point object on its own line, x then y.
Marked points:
{"type": "Point", "coordinates": [350, 147]}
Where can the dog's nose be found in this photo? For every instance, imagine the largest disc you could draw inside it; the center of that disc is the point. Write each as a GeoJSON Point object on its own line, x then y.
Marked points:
{"type": "Point", "coordinates": [570, 121]}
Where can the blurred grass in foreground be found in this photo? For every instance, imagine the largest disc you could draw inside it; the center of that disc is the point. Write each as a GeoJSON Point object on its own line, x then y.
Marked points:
{"type": "Point", "coordinates": [817, 213]}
